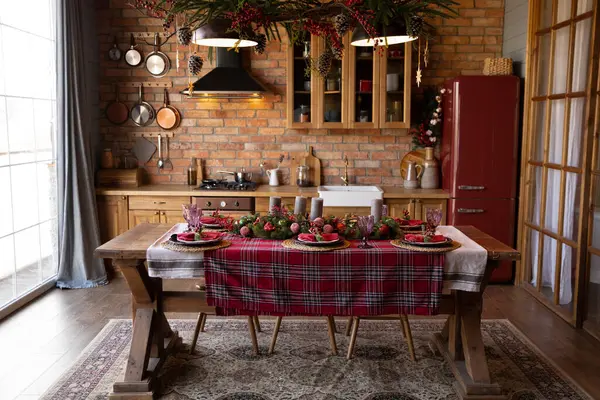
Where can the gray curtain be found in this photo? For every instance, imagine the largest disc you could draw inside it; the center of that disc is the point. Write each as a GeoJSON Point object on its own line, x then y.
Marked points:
{"type": "Point", "coordinates": [77, 130]}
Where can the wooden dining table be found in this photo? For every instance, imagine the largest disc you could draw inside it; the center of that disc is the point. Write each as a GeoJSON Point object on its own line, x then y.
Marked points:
{"type": "Point", "coordinates": [460, 342]}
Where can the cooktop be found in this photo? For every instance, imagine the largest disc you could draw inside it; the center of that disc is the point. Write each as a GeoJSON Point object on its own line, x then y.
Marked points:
{"type": "Point", "coordinates": [219, 184]}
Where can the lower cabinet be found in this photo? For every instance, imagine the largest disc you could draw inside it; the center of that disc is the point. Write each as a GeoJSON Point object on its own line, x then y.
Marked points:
{"type": "Point", "coordinates": [112, 216]}
{"type": "Point", "coordinates": [416, 207]}
{"type": "Point", "coordinates": [137, 217]}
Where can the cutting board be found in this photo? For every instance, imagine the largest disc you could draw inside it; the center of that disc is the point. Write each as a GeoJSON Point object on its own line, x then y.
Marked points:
{"type": "Point", "coordinates": [314, 165]}
{"type": "Point", "coordinates": [418, 156]}
{"type": "Point", "coordinates": [305, 158]}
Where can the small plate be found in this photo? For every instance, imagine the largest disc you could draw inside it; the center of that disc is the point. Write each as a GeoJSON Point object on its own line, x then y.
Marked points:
{"type": "Point", "coordinates": [195, 243]}
{"type": "Point", "coordinates": [323, 244]}
{"type": "Point", "coordinates": [429, 244]}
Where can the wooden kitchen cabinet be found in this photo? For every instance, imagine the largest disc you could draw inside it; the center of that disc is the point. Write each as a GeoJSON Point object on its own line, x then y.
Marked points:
{"type": "Point", "coordinates": [171, 217]}
{"type": "Point", "coordinates": [396, 207]}
{"type": "Point", "coordinates": [137, 217]}
{"type": "Point", "coordinates": [361, 97]}
{"type": "Point", "coordinates": [422, 205]}
{"type": "Point", "coordinates": [112, 216]}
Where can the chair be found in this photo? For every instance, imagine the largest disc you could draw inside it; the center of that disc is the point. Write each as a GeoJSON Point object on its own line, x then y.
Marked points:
{"type": "Point", "coordinates": [352, 330]}
{"type": "Point", "coordinates": [330, 328]}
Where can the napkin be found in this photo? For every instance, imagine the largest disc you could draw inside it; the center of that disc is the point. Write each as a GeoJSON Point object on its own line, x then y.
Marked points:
{"type": "Point", "coordinates": [211, 235]}
{"type": "Point", "coordinates": [186, 236]}
{"type": "Point", "coordinates": [309, 237]}
{"type": "Point", "coordinates": [421, 238]}
{"type": "Point", "coordinates": [191, 236]}
{"type": "Point", "coordinates": [209, 220]}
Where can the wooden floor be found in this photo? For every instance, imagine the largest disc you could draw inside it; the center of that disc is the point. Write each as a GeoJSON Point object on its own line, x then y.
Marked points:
{"type": "Point", "coordinates": [41, 341]}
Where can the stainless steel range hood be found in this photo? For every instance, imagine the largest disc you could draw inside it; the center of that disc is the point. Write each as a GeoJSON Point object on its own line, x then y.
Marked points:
{"type": "Point", "coordinates": [227, 80]}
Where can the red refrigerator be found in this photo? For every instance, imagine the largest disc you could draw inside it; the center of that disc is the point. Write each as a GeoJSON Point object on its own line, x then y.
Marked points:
{"type": "Point", "coordinates": [479, 156]}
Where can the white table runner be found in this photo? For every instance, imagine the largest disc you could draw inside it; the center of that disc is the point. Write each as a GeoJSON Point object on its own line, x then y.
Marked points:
{"type": "Point", "coordinates": [463, 268]}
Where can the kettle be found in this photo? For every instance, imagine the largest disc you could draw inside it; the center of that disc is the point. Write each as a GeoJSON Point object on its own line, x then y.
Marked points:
{"type": "Point", "coordinates": [413, 174]}
{"type": "Point", "coordinates": [273, 177]}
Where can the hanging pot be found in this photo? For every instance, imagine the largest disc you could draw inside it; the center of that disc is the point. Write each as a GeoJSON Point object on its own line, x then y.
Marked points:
{"type": "Point", "coordinates": [157, 62]}
{"type": "Point", "coordinates": [115, 53]}
{"type": "Point", "coordinates": [133, 57]}
{"type": "Point", "coordinates": [142, 114]}
{"type": "Point", "coordinates": [168, 117]}
{"type": "Point", "coordinates": [117, 112]}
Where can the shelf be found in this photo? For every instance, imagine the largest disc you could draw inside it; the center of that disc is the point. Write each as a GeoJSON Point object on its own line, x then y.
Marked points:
{"type": "Point", "coordinates": [395, 92]}
{"type": "Point", "coordinates": [333, 92]}
{"type": "Point", "coordinates": [364, 93]}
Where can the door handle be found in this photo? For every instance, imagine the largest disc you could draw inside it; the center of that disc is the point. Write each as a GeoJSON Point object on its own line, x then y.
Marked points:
{"type": "Point", "coordinates": [470, 187]}
{"type": "Point", "coordinates": [160, 202]}
{"type": "Point", "coordinates": [471, 210]}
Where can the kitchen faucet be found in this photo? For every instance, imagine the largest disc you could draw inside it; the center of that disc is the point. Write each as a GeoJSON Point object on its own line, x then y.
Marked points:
{"type": "Point", "coordinates": [345, 177]}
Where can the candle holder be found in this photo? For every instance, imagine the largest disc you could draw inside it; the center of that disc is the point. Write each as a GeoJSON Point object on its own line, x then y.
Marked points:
{"type": "Point", "coordinates": [365, 226]}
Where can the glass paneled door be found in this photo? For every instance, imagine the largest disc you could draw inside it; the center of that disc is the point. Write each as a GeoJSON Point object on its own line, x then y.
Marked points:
{"type": "Point", "coordinates": [28, 232]}
{"type": "Point", "coordinates": [560, 40]}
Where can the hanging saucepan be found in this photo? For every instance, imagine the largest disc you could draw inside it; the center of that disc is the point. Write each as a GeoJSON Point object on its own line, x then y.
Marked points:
{"type": "Point", "coordinates": [133, 57]}
{"type": "Point", "coordinates": [168, 117]}
{"type": "Point", "coordinates": [157, 62]}
{"type": "Point", "coordinates": [117, 112]}
{"type": "Point", "coordinates": [142, 113]}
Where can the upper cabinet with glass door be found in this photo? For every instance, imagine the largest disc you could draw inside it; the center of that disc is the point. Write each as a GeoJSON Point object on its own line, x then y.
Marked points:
{"type": "Point", "coordinates": [395, 81]}
{"type": "Point", "coordinates": [302, 85]}
{"type": "Point", "coordinates": [363, 87]}
{"type": "Point", "coordinates": [332, 105]}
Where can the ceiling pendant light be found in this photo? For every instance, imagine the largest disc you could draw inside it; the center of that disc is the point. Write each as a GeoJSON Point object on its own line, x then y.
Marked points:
{"type": "Point", "coordinates": [216, 34]}
{"type": "Point", "coordinates": [391, 34]}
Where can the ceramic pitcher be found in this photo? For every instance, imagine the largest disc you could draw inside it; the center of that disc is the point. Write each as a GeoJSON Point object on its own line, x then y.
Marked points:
{"type": "Point", "coordinates": [273, 177]}
{"type": "Point", "coordinates": [431, 171]}
{"type": "Point", "coordinates": [413, 173]}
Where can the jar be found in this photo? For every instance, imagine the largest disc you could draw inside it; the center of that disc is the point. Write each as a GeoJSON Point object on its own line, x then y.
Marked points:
{"type": "Point", "coordinates": [364, 116]}
{"type": "Point", "coordinates": [304, 114]}
{"type": "Point", "coordinates": [306, 52]}
{"type": "Point", "coordinates": [107, 160]}
{"type": "Point", "coordinates": [302, 176]}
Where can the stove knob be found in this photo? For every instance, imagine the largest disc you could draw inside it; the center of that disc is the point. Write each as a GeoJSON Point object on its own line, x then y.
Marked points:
{"type": "Point", "coordinates": [208, 204]}
{"type": "Point", "coordinates": [223, 204]}
{"type": "Point", "coordinates": [236, 203]}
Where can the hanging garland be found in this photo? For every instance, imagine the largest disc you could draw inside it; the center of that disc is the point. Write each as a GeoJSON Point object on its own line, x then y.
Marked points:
{"type": "Point", "coordinates": [261, 20]}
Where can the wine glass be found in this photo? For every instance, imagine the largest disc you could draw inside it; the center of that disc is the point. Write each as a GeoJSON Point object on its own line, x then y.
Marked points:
{"type": "Point", "coordinates": [365, 226]}
{"type": "Point", "coordinates": [434, 218]}
{"type": "Point", "coordinates": [191, 215]}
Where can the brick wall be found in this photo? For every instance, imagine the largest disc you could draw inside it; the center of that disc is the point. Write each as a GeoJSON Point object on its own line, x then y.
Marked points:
{"type": "Point", "coordinates": [230, 134]}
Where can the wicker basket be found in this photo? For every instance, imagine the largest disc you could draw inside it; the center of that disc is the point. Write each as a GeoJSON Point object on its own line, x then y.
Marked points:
{"type": "Point", "coordinates": [498, 66]}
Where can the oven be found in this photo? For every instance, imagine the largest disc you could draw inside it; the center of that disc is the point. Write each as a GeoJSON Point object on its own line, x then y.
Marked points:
{"type": "Point", "coordinates": [230, 206]}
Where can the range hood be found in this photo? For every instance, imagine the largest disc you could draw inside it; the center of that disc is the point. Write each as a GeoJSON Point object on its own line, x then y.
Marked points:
{"type": "Point", "coordinates": [228, 80]}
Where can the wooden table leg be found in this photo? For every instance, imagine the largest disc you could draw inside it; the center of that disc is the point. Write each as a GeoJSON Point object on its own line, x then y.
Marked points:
{"type": "Point", "coordinates": [461, 344]}
{"type": "Point", "coordinates": [152, 339]}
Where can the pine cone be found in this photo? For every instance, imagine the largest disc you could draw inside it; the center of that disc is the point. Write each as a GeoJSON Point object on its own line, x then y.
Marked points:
{"type": "Point", "coordinates": [337, 53]}
{"type": "Point", "coordinates": [262, 44]}
{"type": "Point", "coordinates": [415, 26]}
{"type": "Point", "coordinates": [324, 63]}
{"type": "Point", "coordinates": [195, 64]}
{"type": "Point", "coordinates": [184, 35]}
{"type": "Point", "coordinates": [341, 23]}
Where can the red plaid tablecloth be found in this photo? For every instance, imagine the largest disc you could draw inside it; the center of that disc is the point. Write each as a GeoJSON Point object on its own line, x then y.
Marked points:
{"type": "Point", "coordinates": [261, 277]}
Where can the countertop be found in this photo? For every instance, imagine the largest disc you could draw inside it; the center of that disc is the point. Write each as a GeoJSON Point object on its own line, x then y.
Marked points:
{"type": "Point", "coordinates": [389, 192]}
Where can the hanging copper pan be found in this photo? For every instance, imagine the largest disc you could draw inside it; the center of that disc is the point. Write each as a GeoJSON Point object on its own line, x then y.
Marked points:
{"type": "Point", "coordinates": [168, 117]}
{"type": "Point", "coordinates": [117, 112]}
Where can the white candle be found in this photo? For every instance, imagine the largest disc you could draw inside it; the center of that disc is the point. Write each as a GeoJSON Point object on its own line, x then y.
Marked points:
{"type": "Point", "coordinates": [274, 201]}
{"type": "Point", "coordinates": [316, 208]}
{"type": "Point", "coordinates": [300, 205]}
{"type": "Point", "coordinates": [376, 206]}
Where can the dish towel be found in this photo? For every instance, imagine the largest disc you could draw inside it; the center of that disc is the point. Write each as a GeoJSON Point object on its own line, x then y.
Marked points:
{"type": "Point", "coordinates": [164, 263]}
{"type": "Point", "coordinates": [464, 267]}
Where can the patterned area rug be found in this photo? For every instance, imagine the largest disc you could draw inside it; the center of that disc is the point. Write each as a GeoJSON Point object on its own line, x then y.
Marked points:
{"type": "Point", "coordinates": [224, 368]}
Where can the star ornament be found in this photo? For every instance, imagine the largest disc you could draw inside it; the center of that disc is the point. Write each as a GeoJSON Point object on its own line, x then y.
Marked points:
{"type": "Point", "coordinates": [419, 76]}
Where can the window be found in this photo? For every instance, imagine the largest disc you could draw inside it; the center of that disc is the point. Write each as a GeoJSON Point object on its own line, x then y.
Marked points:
{"type": "Point", "coordinates": [28, 228]}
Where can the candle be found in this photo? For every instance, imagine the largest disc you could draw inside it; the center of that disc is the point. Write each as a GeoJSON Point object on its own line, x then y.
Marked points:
{"type": "Point", "coordinates": [384, 210]}
{"type": "Point", "coordinates": [316, 208]}
{"type": "Point", "coordinates": [274, 201]}
{"type": "Point", "coordinates": [300, 205]}
{"type": "Point", "coordinates": [376, 207]}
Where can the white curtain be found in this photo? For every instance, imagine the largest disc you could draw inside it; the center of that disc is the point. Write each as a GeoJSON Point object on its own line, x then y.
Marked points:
{"type": "Point", "coordinates": [557, 120]}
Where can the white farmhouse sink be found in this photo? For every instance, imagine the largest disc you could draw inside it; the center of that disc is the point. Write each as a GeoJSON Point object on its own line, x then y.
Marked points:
{"type": "Point", "coordinates": [349, 196]}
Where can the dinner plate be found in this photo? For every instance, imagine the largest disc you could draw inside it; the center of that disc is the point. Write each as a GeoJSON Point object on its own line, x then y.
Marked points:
{"type": "Point", "coordinates": [447, 242]}
{"type": "Point", "coordinates": [323, 243]}
{"type": "Point", "coordinates": [196, 243]}
{"type": "Point", "coordinates": [212, 226]}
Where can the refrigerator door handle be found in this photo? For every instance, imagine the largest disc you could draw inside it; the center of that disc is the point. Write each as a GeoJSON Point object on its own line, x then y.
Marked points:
{"type": "Point", "coordinates": [469, 187]}
{"type": "Point", "coordinates": [471, 210]}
